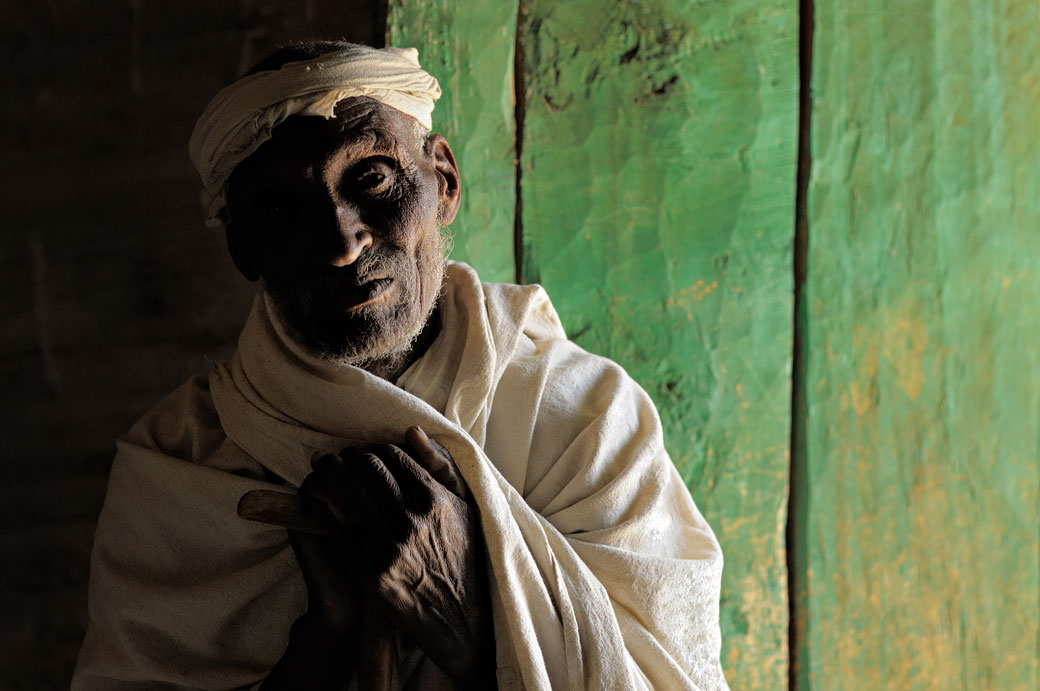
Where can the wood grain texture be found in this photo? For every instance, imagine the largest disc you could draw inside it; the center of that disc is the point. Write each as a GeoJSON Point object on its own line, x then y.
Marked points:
{"type": "Point", "coordinates": [658, 180]}
{"type": "Point", "coordinates": [923, 309]}
{"type": "Point", "coordinates": [468, 46]}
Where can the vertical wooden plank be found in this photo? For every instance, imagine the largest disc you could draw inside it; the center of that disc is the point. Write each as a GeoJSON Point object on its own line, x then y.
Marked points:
{"type": "Point", "coordinates": [468, 46]}
{"type": "Point", "coordinates": [923, 306]}
{"type": "Point", "coordinates": [658, 180]}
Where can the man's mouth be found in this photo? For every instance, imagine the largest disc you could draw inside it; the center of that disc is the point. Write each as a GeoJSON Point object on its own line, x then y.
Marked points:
{"type": "Point", "coordinates": [366, 293]}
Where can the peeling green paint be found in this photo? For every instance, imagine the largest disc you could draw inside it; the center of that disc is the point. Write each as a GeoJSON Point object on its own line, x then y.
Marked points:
{"type": "Point", "coordinates": [658, 180]}
{"type": "Point", "coordinates": [468, 46]}
{"type": "Point", "coordinates": [923, 306]}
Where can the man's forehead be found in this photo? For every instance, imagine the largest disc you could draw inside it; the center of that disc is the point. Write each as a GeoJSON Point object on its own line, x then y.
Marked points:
{"type": "Point", "coordinates": [362, 124]}
{"type": "Point", "coordinates": [360, 127]}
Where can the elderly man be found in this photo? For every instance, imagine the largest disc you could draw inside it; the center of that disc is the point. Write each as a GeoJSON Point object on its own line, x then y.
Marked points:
{"type": "Point", "coordinates": [404, 478]}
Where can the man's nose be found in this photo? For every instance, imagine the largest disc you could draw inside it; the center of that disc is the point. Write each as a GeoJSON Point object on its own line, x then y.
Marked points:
{"type": "Point", "coordinates": [353, 238]}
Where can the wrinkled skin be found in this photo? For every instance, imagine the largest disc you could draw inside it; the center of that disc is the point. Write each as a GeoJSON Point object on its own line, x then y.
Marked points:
{"type": "Point", "coordinates": [339, 221]}
{"type": "Point", "coordinates": [418, 562]}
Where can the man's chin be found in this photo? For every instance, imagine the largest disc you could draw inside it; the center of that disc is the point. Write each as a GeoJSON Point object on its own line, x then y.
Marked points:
{"type": "Point", "coordinates": [358, 337]}
{"type": "Point", "coordinates": [362, 352]}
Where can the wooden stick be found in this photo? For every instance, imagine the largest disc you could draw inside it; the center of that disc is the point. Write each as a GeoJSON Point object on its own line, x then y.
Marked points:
{"type": "Point", "coordinates": [278, 508]}
{"type": "Point", "coordinates": [378, 650]}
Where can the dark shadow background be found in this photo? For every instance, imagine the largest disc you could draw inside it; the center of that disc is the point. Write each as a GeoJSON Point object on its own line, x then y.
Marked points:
{"type": "Point", "coordinates": [112, 291]}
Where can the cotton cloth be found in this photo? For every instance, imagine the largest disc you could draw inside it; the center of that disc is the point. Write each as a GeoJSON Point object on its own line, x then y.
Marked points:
{"type": "Point", "coordinates": [241, 116]}
{"type": "Point", "coordinates": [603, 573]}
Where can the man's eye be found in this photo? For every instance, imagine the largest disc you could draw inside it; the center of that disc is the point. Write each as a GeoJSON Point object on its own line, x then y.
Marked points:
{"type": "Point", "coordinates": [370, 180]}
{"type": "Point", "coordinates": [373, 177]}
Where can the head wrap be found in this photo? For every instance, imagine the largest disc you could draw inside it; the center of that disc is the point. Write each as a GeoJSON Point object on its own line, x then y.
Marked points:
{"type": "Point", "coordinates": [241, 116]}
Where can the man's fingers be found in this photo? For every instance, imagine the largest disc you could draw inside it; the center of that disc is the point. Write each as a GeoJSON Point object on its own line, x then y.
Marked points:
{"type": "Point", "coordinates": [373, 482]}
{"type": "Point", "coordinates": [414, 482]}
{"type": "Point", "coordinates": [322, 494]}
{"type": "Point", "coordinates": [362, 483]}
{"type": "Point", "coordinates": [436, 460]}
{"type": "Point", "coordinates": [350, 488]}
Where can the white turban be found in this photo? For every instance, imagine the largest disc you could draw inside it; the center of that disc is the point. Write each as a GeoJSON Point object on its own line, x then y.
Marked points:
{"type": "Point", "coordinates": [241, 116]}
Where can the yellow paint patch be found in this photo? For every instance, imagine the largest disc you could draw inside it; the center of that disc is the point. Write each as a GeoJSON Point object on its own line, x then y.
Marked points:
{"type": "Point", "coordinates": [731, 525]}
{"type": "Point", "coordinates": [904, 342]}
{"type": "Point", "coordinates": [862, 398]}
{"type": "Point", "coordinates": [863, 389]}
{"type": "Point", "coordinates": [764, 614]}
{"type": "Point", "coordinates": [695, 293]}
{"type": "Point", "coordinates": [870, 359]}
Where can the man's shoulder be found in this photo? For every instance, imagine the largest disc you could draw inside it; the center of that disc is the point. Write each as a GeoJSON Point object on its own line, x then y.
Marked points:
{"type": "Point", "coordinates": [569, 373]}
{"type": "Point", "coordinates": [509, 308]}
{"type": "Point", "coordinates": [543, 350]}
{"type": "Point", "coordinates": [184, 424]}
{"type": "Point", "coordinates": [536, 358]}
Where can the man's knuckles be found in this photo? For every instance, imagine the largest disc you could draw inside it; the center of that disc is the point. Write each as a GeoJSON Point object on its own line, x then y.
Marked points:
{"type": "Point", "coordinates": [321, 504]}
{"type": "Point", "coordinates": [384, 489]}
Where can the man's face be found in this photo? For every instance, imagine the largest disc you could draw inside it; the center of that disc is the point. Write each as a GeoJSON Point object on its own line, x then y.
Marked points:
{"type": "Point", "coordinates": [339, 219]}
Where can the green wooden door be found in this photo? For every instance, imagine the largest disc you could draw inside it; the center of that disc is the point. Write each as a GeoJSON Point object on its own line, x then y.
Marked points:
{"type": "Point", "coordinates": [639, 160]}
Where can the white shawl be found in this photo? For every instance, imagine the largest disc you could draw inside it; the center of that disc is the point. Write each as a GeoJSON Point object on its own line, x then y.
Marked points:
{"type": "Point", "coordinates": [603, 573]}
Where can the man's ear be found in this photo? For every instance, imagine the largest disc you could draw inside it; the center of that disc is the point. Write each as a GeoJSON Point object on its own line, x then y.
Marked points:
{"type": "Point", "coordinates": [241, 251]}
{"type": "Point", "coordinates": [449, 189]}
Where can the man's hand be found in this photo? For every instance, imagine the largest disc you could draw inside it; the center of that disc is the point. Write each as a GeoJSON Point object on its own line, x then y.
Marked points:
{"type": "Point", "coordinates": [403, 530]}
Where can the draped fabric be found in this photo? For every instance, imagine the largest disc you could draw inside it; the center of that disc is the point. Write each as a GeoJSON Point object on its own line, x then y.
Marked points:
{"type": "Point", "coordinates": [603, 573]}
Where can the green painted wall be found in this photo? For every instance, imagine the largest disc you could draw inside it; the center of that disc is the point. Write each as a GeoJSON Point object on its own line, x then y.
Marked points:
{"type": "Point", "coordinates": [468, 46]}
{"type": "Point", "coordinates": [920, 529]}
{"type": "Point", "coordinates": [657, 189]}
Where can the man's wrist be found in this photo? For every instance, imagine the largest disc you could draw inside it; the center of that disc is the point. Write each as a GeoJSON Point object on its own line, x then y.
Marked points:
{"type": "Point", "coordinates": [471, 663]}
{"type": "Point", "coordinates": [319, 629]}
{"type": "Point", "coordinates": [319, 656]}
{"type": "Point", "coordinates": [475, 671]}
